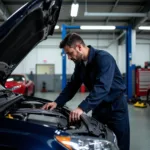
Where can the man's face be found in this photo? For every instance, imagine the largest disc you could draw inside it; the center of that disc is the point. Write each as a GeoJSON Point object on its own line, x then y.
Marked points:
{"type": "Point", "coordinates": [74, 53]}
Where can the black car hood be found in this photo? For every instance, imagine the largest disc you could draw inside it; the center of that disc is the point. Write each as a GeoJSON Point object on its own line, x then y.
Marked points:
{"type": "Point", "coordinates": [27, 27]}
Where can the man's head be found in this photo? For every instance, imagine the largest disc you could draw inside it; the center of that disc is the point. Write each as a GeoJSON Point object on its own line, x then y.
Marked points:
{"type": "Point", "coordinates": [74, 47]}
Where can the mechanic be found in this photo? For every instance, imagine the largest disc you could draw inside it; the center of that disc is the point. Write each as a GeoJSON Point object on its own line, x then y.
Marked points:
{"type": "Point", "coordinates": [98, 70]}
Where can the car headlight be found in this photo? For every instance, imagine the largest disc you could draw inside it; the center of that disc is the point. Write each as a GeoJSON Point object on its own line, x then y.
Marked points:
{"type": "Point", "coordinates": [16, 87]}
{"type": "Point", "coordinates": [85, 143]}
{"type": "Point", "coordinates": [115, 139]}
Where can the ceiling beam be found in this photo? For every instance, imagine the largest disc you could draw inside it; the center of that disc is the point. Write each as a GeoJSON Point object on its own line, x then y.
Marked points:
{"type": "Point", "coordinates": [89, 21]}
{"type": "Point", "coordinates": [140, 21]}
{"type": "Point", "coordinates": [93, 21]}
{"type": "Point", "coordinates": [140, 9]}
{"type": "Point", "coordinates": [102, 3]}
{"type": "Point", "coordinates": [4, 13]}
{"type": "Point", "coordinates": [144, 8]}
{"type": "Point", "coordinates": [112, 9]}
{"type": "Point", "coordinates": [115, 40]}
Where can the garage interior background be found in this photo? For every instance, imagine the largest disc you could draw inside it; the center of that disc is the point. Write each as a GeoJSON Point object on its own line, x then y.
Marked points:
{"type": "Point", "coordinates": [110, 12]}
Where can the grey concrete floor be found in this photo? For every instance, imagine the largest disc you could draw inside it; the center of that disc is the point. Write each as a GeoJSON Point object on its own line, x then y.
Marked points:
{"type": "Point", "coordinates": [139, 120]}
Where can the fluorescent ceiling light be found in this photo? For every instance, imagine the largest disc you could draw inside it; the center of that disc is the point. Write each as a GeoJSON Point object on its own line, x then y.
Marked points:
{"type": "Point", "coordinates": [97, 27]}
{"type": "Point", "coordinates": [56, 27]}
{"type": "Point", "coordinates": [144, 28]}
{"type": "Point", "coordinates": [74, 9]}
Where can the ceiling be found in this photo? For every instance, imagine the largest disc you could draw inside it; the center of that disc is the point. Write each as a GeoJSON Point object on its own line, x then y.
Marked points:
{"type": "Point", "coordinates": [95, 6]}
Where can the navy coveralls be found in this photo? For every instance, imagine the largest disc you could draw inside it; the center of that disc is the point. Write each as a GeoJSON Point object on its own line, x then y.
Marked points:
{"type": "Point", "coordinates": [106, 99]}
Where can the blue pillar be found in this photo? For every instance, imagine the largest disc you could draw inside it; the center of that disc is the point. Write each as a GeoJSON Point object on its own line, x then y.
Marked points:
{"type": "Point", "coordinates": [128, 58]}
{"type": "Point", "coordinates": [129, 61]}
{"type": "Point", "coordinates": [64, 78]}
{"type": "Point", "coordinates": [72, 27]}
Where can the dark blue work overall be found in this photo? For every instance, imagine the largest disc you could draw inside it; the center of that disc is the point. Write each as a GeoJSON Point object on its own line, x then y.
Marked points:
{"type": "Point", "coordinates": [106, 99]}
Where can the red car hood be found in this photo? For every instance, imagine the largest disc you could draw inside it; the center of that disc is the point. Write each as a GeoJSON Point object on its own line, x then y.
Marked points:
{"type": "Point", "coordinates": [11, 84]}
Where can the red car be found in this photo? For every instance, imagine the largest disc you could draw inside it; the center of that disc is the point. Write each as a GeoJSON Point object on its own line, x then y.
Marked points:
{"type": "Point", "coordinates": [21, 84]}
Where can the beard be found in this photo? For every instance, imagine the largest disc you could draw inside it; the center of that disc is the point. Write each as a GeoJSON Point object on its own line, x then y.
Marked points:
{"type": "Point", "coordinates": [78, 59]}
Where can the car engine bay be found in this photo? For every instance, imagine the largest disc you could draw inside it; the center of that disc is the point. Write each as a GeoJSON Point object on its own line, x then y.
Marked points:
{"type": "Point", "coordinates": [28, 109]}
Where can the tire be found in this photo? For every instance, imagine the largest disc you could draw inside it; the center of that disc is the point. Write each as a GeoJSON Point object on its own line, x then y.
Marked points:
{"type": "Point", "coordinates": [33, 91]}
{"type": "Point", "coordinates": [26, 92]}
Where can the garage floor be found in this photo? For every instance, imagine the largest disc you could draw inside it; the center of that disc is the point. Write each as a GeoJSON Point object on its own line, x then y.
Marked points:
{"type": "Point", "coordinates": [139, 120]}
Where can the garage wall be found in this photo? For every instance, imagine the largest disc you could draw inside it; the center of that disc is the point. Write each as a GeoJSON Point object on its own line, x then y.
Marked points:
{"type": "Point", "coordinates": [142, 51]}
{"type": "Point", "coordinates": [49, 50]}
{"type": "Point", "coordinates": [122, 58]}
{"type": "Point", "coordinates": [142, 54]}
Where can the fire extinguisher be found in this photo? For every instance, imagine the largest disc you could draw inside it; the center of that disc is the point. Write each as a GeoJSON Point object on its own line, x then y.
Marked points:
{"type": "Point", "coordinates": [82, 88]}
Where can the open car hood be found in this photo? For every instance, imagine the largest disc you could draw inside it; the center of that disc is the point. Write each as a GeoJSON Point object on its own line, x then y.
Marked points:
{"type": "Point", "coordinates": [27, 27]}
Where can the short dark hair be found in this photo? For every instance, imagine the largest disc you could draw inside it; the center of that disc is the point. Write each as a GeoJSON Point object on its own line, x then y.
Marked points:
{"type": "Point", "coordinates": [70, 40]}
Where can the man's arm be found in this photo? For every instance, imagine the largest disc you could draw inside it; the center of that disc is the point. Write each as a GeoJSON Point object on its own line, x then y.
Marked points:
{"type": "Point", "coordinates": [105, 74]}
{"type": "Point", "coordinates": [71, 88]}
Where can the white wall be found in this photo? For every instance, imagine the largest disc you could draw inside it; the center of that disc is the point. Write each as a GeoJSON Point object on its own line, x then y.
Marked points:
{"type": "Point", "coordinates": [49, 50]}
{"type": "Point", "coordinates": [141, 54]}
{"type": "Point", "coordinates": [122, 58]}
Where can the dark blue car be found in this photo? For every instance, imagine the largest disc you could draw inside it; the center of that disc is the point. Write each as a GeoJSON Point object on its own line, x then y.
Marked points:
{"type": "Point", "coordinates": [23, 124]}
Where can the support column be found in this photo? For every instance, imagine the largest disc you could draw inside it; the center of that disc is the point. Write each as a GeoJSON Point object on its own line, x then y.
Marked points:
{"type": "Point", "coordinates": [64, 78]}
{"type": "Point", "coordinates": [129, 61]}
{"type": "Point", "coordinates": [64, 73]}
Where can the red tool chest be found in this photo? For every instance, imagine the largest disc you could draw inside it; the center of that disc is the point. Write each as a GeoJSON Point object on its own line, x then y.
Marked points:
{"type": "Point", "coordinates": [142, 81]}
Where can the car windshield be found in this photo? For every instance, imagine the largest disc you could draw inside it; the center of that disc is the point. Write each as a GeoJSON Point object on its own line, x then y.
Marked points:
{"type": "Point", "coordinates": [16, 78]}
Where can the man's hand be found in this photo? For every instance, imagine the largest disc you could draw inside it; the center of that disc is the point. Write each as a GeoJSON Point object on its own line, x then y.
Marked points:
{"type": "Point", "coordinates": [75, 114]}
{"type": "Point", "coordinates": [50, 105]}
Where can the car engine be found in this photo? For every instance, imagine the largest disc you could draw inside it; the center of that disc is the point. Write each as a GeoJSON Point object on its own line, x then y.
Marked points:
{"type": "Point", "coordinates": [29, 110]}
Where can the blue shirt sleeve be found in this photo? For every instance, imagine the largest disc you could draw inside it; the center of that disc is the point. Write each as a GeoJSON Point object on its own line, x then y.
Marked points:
{"type": "Point", "coordinates": [104, 78]}
{"type": "Point", "coordinates": [71, 88]}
